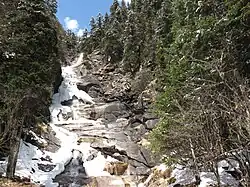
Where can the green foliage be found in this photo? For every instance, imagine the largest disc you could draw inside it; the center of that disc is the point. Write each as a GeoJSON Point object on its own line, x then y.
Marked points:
{"type": "Point", "coordinates": [199, 52]}
{"type": "Point", "coordinates": [29, 57]}
{"type": "Point", "coordinates": [129, 33]}
{"type": "Point", "coordinates": [203, 71]}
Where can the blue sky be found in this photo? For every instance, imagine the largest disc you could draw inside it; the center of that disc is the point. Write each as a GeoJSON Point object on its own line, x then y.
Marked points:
{"type": "Point", "coordinates": [76, 14]}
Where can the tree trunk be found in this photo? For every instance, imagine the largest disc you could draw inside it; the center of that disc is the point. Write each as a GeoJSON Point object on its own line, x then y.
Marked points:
{"type": "Point", "coordinates": [14, 144]}
{"type": "Point", "coordinates": [216, 172]}
{"type": "Point", "coordinates": [197, 176]}
{"type": "Point", "coordinates": [16, 120]}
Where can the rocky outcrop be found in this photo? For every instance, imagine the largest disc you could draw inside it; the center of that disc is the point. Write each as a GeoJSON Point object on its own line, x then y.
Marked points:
{"type": "Point", "coordinates": [118, 120]}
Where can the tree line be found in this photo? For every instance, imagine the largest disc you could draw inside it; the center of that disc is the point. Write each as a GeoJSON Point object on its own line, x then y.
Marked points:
{"type": "Point", "coordinates": [199, 52]}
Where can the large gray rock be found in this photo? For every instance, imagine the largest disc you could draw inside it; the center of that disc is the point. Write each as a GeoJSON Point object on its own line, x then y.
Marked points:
{"type": "Point", "coordinates": [136, 133]}
{"type": "Point", "coordinates": [113, 181]}
{"type": "Point", "coordinates": [87, 82]}
{"type": "Point", "coordinates": [110, 111]}
{"type": "Point", "coordinates": [148, 116]}
{"type": "Point", "coordinates": [150, 124]}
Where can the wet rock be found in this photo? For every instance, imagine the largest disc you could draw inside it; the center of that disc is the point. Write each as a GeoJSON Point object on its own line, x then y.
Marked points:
{"type": "Point", "coordinates": [46, 167]}
{"type": "Point", "coordinates": [47, 158]}
{"type": "Point", "coordinates": [67, 116]}
{"type": "Point", "coordinates": [67, 103]}
{"type": "Point", "coordinates": [53, 143]}
{"type": "Point", "coordinates": [91, 157]}
{"type": "Point", "coordinates": [43, 137]}
{"type": "Point", "coordinates": [74, 172]}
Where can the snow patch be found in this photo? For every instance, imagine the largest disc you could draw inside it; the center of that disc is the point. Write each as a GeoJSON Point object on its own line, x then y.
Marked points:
{"type": "Point", "coordinates": [95, 166]}
{"type": "Point", "coordinates": [185, 176]}
{"type": "Point", "coordinates": [30, 156]}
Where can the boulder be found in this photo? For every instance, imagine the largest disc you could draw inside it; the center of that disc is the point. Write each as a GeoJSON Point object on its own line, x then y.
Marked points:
{"type": "Point", "coordinates": [87, 82]}
{"type": "Point", "coordinates": [110, 110]}
{"type": "Point", "coordinates": [112, 181]}
{"type": "Point", "coordinates": [150, 124]}
{"type": "Point", "coordinates": [116, 168]}
{"type": "Point", "coordinates": [148, 116]}
{"type": "Point", "coordinates": [46, 167]}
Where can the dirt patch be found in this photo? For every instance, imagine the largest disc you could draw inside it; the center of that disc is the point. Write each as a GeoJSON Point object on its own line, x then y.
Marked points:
{"type": "Point", "coordinates": [15, 183]}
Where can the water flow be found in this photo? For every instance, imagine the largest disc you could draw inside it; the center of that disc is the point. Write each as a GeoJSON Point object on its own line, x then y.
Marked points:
{"type": "Point", "coordinates": [87, 161]}
{"type": "Point", "coordinates": [74, 174]}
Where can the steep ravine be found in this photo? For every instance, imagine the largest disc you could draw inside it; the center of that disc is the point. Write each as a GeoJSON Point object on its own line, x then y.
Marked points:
{"type": "Point", "coordinates": [110, 113]}
{"type": "Point", "coordinates": [108, 151]}
{"type": "Point", "coordinates": [100, 119]}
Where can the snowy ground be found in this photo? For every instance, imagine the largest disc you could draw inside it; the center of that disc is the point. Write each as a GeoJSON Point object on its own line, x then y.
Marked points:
{"type": "Point", "coordinates": [30, 156]}
{"type": "Point", "coordinates": [186, 176]}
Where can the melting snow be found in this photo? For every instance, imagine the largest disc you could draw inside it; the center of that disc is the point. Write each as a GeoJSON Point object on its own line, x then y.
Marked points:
{"type": "Point", "coordinates": [30, 156]}
{"type": "Point", "coordinates": [186, 176]}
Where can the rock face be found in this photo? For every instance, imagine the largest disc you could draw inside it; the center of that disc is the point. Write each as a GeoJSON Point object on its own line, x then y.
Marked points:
{"type": "Point", "coordinates": [74, 173]}
{"type": "Point", "coordinates": [122, 105]}
{"type": "Point", "coordinates": [117, 122]}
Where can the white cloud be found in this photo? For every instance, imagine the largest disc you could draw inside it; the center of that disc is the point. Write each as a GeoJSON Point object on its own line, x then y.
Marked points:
{"type": "Point", "coordinates": [126, 1]}
{"type": "Point", "coordinates": [71, 24]}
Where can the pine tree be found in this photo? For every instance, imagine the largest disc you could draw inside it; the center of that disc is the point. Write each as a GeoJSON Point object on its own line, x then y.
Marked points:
{"type": "Point", "coordinates": [131, 46]}
{"type": "Point", "coordinates": [106, 20]}
{"type": "Point", "coordinates": [52, 5]}
{"type": "Point", "coordinates": [28, 70]}
{"type": "Point", "coordinates": [93, 25]}
{"type": "Point", "coordinates": [99, 21]}
{"type": "Point", "coordinates": [114, 7]}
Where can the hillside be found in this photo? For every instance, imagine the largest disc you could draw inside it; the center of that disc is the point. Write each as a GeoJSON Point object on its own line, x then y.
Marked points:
{"type": "Point", "coordinates": [156, 93]}
{"type": "Point", "coordinates": [198, 55]}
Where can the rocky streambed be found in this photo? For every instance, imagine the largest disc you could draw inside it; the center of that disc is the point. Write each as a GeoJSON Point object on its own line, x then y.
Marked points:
{"type": "Point", "coordinates": [111, 122]}
{"type": "Point", "coordinates": [100, 120]}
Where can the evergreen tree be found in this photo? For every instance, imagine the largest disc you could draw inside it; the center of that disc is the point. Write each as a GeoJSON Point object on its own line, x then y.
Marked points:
{"type": "Point", "coordinates": [93, 25]}
{"type": "Point", "coordinates": [99, 21]}
{"type": "Point", "coordinates": [52, 5]}
{"type": "Point", "coordinates": [132, 46]}
{"type": "Point", "coordinates": [113, 9]}
{"type": "Point", "coordinates": [28, 69]}
{"type": "Point", "coordinates": [106, 20]}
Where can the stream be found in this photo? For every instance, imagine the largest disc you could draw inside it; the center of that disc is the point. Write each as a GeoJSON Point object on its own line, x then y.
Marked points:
{"type": "Point", "coordinates": [69, 111]}
{"type": "Point", "coordinates": [103, 141]}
